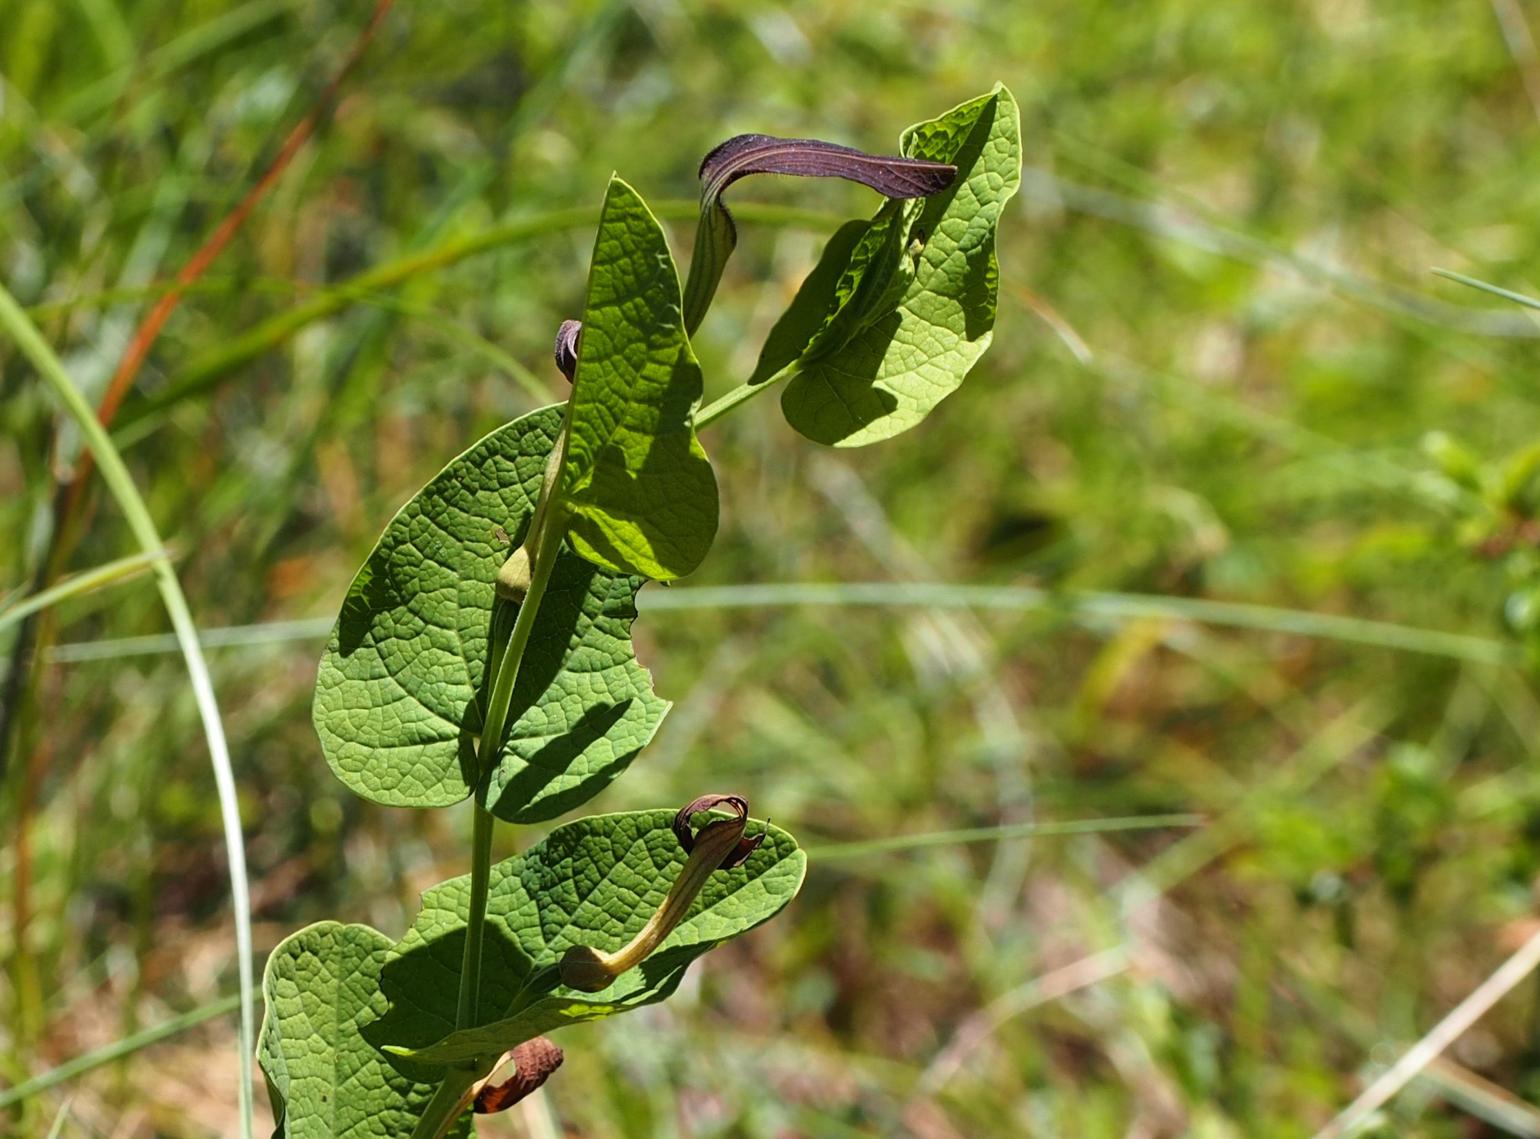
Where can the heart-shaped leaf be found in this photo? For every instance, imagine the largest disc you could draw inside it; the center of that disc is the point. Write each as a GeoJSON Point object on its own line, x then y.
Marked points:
{"type": "Point", "coordinates": [593, 882]}
{"type": "Point", "coordinates": [914, 304]}
{"type": "Point", "coordinates": [398, 699]}
{"type": "Point", "coordinates": [636, 484]}
{"type": "Point", "coordinates": [321, 989]}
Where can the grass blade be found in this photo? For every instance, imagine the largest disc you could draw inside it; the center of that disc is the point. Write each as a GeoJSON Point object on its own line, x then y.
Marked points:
{"type": "Point", "coordinates": [60, 1120]}
{"type": "Point", "coordinates": [1487, 287]}
{"type": "Point", "coordinates": [1091, 606]}
{"type": "Point", "coordinates": [1465, 1014]}
{"type": "Point", "coordinates": [227, 636]}
{"type": "Point", "coordinates": [121, 484]}
{"type": "Point", "coordinates": [906, 842]}
{"type": "Point", "coordinates": [89, 1061]}
{"type": "Point", "coordinates": [123, 569]}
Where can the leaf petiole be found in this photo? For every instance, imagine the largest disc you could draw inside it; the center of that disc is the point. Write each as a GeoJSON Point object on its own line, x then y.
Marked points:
{"type": "Point", "coordinates": [451, 1099]}
{"type": "Point", "coordinates": [741, 394]}
{"type": "Point", "coordinates": [476, 921]}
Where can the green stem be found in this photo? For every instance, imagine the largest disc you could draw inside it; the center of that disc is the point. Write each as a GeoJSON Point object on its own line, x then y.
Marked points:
{"type": "Point", "coordinates": [476, 920]}
{"type": "Point", "coordinates": [447, 1104]}
{"type": "Point", "coordinates": [741, 394]}
{"type": "Point", "coordinates": [501, 696]}
{"type": "Point", "coordinates": [121, 484]}
{"type": "Point", "coordinates": [498, 703]}
{"type": "Point", "coordinates": [504, 666]}
{"type": "Point", "coordinates": [504, 615]}
{"type": "Point", "coordinates": [547, 529]}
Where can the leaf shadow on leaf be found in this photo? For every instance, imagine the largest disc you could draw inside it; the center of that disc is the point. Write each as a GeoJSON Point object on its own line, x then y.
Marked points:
{"type": "Point", "coordinates": [371, 593]}
{"type": "Point", "coordinates": [402, 687]}
{"type": "Point", "coordinates": [981, 268]}
{"type": "Point", "coordinates": [668, 500]}
{"type": "Point", "coordinates": [559, 623]}
{"type": "Point", "coordinates": [556, 758]}
{"type": "Point", "coordinates": [810, 306]}
{"type": "Point", "coordinates": [875, 278]}
{"type": "Point", "coordinates": [952, 283]}
{"type": "Point", "coordinates": [422, 985]}
{"type": "Point", "coordinates": [863, 402]}
{"type": "Point", "coordinates": [596, 882]}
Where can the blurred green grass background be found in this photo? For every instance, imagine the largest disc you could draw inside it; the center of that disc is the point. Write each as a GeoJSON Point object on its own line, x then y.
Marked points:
{"type": "Point", "coordinates": [1219, 358]}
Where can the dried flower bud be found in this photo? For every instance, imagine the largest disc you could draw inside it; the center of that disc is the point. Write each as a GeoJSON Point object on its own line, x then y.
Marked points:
{"type": "Point", "coordinates": [567, 347]}
{"type": "Point", "coordinates": [533, 1063]}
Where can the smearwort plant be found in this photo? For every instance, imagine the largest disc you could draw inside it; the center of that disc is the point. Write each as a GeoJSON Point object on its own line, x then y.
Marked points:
{"type": "Point", "coordinates": [484, 650]}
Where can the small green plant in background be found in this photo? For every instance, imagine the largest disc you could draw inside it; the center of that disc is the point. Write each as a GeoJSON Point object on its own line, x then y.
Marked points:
{"type": "Point", "coordinates": [1494, 502]}
{"type": "Point", "coordinates": [484, 650]}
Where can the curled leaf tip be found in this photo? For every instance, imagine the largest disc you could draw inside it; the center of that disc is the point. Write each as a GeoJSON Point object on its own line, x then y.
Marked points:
{"type": "Point", "coordinates": [533, 1063]}
{"type": "Point", "coordinates": [687, 837]}
{"type": "Point", "coordinates": [566, 349]}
